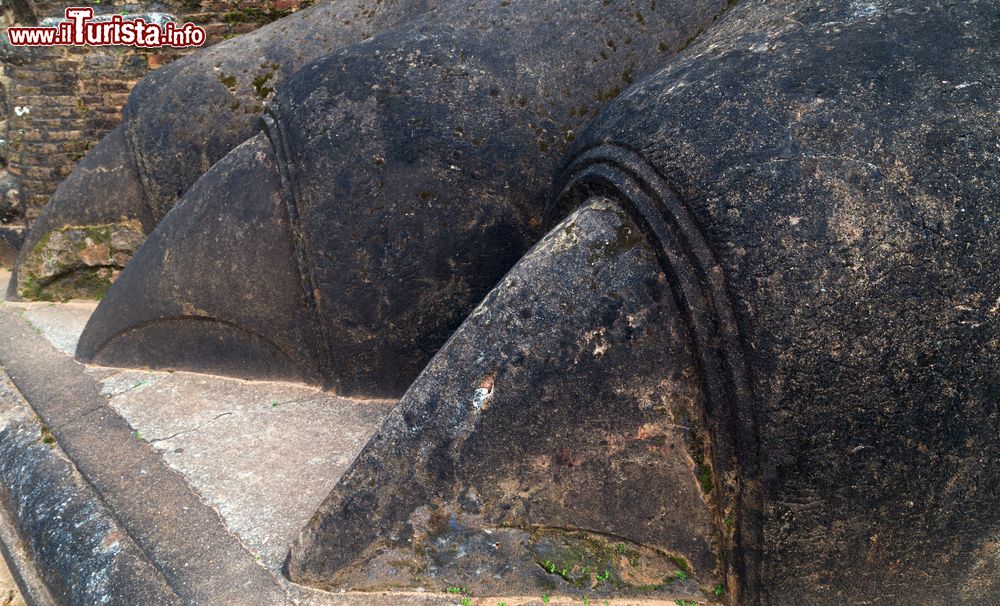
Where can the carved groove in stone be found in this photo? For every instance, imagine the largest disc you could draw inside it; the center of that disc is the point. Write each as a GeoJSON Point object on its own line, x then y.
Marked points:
{"type": "Point", "coordinates": [700, 291]}
{"type": "Point", "coordinates": [282, 153]}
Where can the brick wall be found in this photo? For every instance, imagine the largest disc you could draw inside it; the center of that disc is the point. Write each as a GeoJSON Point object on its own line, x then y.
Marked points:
{"type": "Point", "coordinates": [60, 101]}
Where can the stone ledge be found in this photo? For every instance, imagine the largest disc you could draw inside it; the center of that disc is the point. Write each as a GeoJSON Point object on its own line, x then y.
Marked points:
{"type": "Point", "coordinates": [59, 536]}
{"type": "Point", "coordinates": [88, 410]}
{"type": "Point", "coordinates": [185, 540]}
{"type": "Point", "coordinates": [19, 579]}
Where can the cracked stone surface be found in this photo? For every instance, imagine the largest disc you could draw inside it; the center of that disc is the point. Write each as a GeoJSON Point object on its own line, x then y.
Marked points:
{"type": "Point", "coordinates": [264, 454]}
{"type": "Point", "coordinates": [261, 453]}
{"type": "Point", "coordinates": [60, 324]}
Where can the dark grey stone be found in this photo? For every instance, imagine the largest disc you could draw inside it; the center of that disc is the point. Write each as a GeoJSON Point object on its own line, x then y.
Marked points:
{"type": "Point", "coordinates": [77, 548]}
{"type": "Point", "coordinates": [180, 120]}
{"type": "Point", "coordinates": [414, 168]}
{"type": "Point", "coordinates": [822, 178]}
{"type": "Point", "coordinates": [11, 239]}
{"type": "Point", "coordinates": [815, 182]}
{"type": "Point", "coordinates": [228, 323]}
{"type": "Point", "coordinates": [554, 445]}
{"type": "Point", "coordinates": [10, 198]}
{"type": "Point", "coordinates": [11, 230]}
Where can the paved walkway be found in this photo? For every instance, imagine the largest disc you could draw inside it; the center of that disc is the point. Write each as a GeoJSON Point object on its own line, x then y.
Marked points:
{"type": "Point", "coordinates": [195, 485]}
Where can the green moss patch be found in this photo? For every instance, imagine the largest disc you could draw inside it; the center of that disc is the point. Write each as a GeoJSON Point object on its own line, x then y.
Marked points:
{"type": "Point", "coordinates": [78, 262]}
{"type": "Point", "coordinates": [592, 562]}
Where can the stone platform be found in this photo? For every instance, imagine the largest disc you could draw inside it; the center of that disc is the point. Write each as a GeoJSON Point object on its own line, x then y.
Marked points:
{"type": "Point", "coordinates": [140, 487]}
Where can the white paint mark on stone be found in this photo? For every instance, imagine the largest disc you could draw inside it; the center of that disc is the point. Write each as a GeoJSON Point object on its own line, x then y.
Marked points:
{"type": "Point", "coordinates": [862, 10]}
{"type": "Point", "coordinates": [481, 397]}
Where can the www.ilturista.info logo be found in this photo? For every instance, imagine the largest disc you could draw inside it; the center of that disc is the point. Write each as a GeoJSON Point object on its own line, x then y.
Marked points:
{"type": "Point", "coordinates": [81, 28]}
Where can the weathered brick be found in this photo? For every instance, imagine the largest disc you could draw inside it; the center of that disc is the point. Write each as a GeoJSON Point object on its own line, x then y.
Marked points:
{"type": "Point", "coordinates": [74, 95]}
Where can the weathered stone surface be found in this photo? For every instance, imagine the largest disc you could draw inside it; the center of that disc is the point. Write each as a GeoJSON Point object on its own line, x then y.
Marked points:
{"type": "Point", "coordinates": [10, 198]}
{"type": "Point", "coordinates": [79, 550]}
{"type": "Point", "coordinates": [53, 268]}
{"type": "Point", "coordinates": [11, 239]}
{"type": "Point", "coordinates": [56, 261]}
{"type": "Point", "coordinates": [415, 169]}
{"type": "Point", "coordinates": [226, 323]}
{"type": "Point", "coordinates": [182, 118]}
{"type": "Point", "coordinates": [554, 445]}
{"type": "Point", "coordinates": [822, 179]}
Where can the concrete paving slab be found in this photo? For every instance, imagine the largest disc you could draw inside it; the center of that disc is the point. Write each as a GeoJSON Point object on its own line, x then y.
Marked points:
{"type": "Point", "coordinates": [60, 323]}
{"type": "Point", "coordinates": [265, 455]}
{"type": "Point", "coordinates": [262, 455]}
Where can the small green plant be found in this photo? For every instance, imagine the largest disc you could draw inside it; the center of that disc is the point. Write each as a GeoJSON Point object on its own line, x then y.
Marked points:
{"type": "Point", "coordinates": [274, 404]}
{"type": "Point", "coordinates": [455, 590]}
{"type": "Point", "coordinates": [137, 435]}
{"type": "Point", "coordinates": [681, 576]}
{"type": "Point", "coordinates": [586, 600]}
{"type": "Point", "coordinates": [545, 598]}
{"type": "Point", "coordinates": [620, 548]}
{"type": "Point", "coordinates": [603, 577]}
{"type": "Point", "coordinates": [719, 590]}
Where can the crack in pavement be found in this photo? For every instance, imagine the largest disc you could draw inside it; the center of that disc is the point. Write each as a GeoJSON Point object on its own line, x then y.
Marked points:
{"type": "Point", "coordinates": [187, 431]}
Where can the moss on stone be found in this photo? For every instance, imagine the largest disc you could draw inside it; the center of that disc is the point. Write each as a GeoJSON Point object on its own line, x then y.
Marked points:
{"type": "Point", "coordinates": [78, 261]}
{"type": "Point", "coordinates": [696, 444]}
{"type": "Point", "coordinates": [588, 561]}
{"type": "Point", "coordinates": [228, 81]}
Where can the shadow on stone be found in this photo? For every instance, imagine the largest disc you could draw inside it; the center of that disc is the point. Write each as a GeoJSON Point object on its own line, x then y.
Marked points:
{"type": "Point", "coordinates": [180, 120]}
{"type": "Point", "coordinates": [555, 444]}
{"type": "Point", "coordinates": [415, 168]}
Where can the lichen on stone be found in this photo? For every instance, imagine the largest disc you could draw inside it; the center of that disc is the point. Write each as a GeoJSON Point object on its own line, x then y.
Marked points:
{"type": "Point", "coordinates": [591, 561]}
{"type": "Point", "coordinates": [78, 261]}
